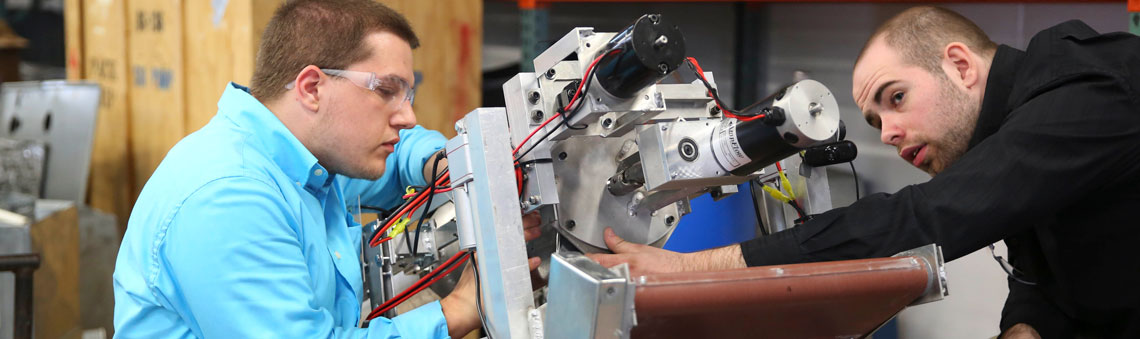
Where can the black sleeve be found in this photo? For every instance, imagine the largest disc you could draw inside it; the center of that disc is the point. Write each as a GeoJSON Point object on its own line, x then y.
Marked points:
{"type": "Point", "coordinates": [1027, 304]}
{"type": "Point", "coordinates": [1074, 138]}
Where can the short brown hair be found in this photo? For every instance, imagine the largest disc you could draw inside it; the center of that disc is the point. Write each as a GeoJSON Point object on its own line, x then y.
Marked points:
{"type": "Point", "coordinates": [325, 33]}
{"type": "Point", "coordinates": [920, 33]}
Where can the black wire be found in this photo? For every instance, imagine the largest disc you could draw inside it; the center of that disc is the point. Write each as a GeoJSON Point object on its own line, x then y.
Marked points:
{"type": "Point", "coordinates": [716, 95]}
{"type": "Point", "coordinates": [756, 206]}
{"type": "Point", "coordinates": [544, 136]}
{"type": "Point", "coordinates": [799, 210]}
{"type": "Point", "coordinates": [479, 296]}
{"type": "Point", "coordinates": [566, 116]}
{"type": "Point", "coordinates": [535, 161]}
{"type": "Point", "coordinates": [856, 175]}
{"type": "Point", "coordinates": [431, 194]}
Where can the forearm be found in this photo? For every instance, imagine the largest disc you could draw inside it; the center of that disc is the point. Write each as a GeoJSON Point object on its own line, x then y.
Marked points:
{"type": "Point", "coordinates": [457, 312]}
{"type": "Point", "coordinates": [721, 258]}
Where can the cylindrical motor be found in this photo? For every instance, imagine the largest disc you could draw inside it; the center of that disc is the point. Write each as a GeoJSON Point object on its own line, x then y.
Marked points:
{"type": "Point", "coordinates": [810, 117]}
{"type": "Point", "coordinates": [649, 50]}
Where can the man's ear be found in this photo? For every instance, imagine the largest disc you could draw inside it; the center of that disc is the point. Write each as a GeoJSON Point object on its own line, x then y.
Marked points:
{"type": "Point", "coordinates": [961, 66]}
{"type": "Point", "coordinates": [307, 87]}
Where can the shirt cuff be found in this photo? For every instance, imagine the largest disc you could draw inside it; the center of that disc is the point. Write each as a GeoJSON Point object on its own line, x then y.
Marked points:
{"type": "Point", "coordinates": [426, 321]}
{"type": "Point", "coordinates": [776, 249]}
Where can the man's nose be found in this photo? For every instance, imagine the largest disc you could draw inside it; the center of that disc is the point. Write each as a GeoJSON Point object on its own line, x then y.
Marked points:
{"type": "Point", "coordinates": [405, 117]}
{"type": "Point", "coordinates": [891, 133]}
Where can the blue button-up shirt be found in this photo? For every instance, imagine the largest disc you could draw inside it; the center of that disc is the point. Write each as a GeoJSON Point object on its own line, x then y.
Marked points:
{"type": "Point", "coordinates": [241, 233]}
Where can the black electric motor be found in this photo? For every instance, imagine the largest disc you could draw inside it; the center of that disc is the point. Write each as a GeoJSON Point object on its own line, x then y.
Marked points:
{"type": "Point", "coordinates": [649, 49]}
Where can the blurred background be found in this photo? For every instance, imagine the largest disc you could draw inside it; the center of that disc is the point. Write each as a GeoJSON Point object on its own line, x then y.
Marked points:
{"type": "Point", "coordinates": [141, 74]}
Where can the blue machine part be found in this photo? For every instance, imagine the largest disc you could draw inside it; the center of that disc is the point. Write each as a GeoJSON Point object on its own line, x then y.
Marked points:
{"type": "Point", "coordinates": [715, 223]}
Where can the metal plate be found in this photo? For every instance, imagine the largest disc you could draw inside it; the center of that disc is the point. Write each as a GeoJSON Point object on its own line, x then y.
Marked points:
{"type": "Point", "coordinates": [585, 201]}
{"type": "Point", "coordinates": [62, 115]}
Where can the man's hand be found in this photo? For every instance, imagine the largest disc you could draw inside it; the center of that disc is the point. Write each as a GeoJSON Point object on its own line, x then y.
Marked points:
{"type": "Point", "coordinates": [1021, 331]}
{"type": "Point", "coordinates": [459, 307]}
{"type": "Point", "coordinates": [644, 259]}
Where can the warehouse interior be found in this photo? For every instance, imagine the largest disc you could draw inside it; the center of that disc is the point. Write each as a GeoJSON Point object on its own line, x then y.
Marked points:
{"type": "Point", "coordinates": [116, 84]}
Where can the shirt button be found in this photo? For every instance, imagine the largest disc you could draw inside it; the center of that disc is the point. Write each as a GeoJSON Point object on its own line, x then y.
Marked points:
{"type": "Point", "coordinates": [336, 253]}
{"type": "Point", "coordinates": [318, 172]}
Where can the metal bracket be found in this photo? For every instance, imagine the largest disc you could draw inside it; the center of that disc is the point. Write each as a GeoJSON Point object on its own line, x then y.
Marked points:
{"type": "Point", "coordinates": [931, 256]}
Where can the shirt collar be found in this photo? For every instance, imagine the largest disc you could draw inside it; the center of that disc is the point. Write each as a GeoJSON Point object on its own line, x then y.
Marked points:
{"type": "Point", "coordinates": [999, 84]}
{"type": "Point", "coordinates": [269, 135]}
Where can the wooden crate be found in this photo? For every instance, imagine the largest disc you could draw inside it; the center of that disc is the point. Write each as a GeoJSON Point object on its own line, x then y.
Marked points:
{"type": "Point", "coordinates": [110, 185]}
{"type": "Point", "coordinates": [182, 53]}
{"type": "Point", "coordinates": [221, 47]}
{"type": "Point", "coordinates": [73, 38]}
{"type": "Point", "coordinates": [56, 291]}
{"type": "Point", "coordinates": [449, 57]}
{"type": "Point", "coordinates": [157, 101]}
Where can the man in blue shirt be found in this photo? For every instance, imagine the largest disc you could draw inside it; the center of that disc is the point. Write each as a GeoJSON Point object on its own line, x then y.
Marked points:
{"type": "Point", "coordinates": [244, 231]}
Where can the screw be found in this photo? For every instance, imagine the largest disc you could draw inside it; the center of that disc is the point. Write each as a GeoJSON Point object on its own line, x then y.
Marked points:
{"type": "Point", "coordinates": [537, 115]}
{"type": "Point", "coordinates": [670, 220]}
{"type": "Point", "coordinates": [654, 18]}
{"type": "Point", "coordinates": [570, 225]}
{"type": "Point", "coordinates": [714, 110]}
{"type": "Point", "coordinates": [534, 96]}
{"type": "Point", "coordinates": [608, 123]}
{"type": "Point", "coordinates": [534, 200]}
{"type": "Point", "coordinates": [610, 291]}
{"type": "Point", "coordinates": [664, 68]}
{"type": "Point", "coordinates": [550, 73]}
{"type": "Point", "coordinates": [562, 156]}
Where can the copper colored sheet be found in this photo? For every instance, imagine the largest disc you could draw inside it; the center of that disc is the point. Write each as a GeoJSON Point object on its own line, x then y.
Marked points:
{"type": "Point", "coordinates": [830, 299]}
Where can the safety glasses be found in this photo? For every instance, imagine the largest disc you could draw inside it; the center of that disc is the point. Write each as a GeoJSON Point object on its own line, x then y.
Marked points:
{"type": "Point", "coordinates": [394, 90]}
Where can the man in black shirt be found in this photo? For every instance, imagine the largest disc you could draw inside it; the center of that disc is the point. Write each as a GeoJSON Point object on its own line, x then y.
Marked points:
{"type": "Point", "coordinates": [1039, 147]}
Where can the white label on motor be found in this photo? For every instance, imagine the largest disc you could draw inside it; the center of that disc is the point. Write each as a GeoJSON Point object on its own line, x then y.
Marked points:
{"type": "Point", "coordinates": [726, 145]}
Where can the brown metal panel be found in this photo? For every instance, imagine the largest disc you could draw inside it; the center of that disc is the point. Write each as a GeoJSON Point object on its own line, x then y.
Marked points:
{"type": "Point", "coordinates": [830, 299]}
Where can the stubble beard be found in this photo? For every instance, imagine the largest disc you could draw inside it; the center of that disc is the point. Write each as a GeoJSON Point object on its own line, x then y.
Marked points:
{"type": "Point", "coordinates": [958, 116]}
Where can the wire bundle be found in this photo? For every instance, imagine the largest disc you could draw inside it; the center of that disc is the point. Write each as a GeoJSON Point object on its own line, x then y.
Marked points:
{"type": "Point", "coordinates": [443, 270]}
{"type": "Point", "coordinates": [735, 114]}
{"type": "Point", "coordinates": [421, 198]}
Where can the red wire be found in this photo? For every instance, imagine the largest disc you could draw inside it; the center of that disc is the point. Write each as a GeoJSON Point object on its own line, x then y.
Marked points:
{"type": "Point", "coordinates": [568, 104]}
{"type": "Point", "coordinates": [417, 287]}
{"type": "Point", "coordinates": [422, 280]}
{"type": "Point", "coordinates": [420, 198]}
{"type": "Point", "coordinates": [727, 113]}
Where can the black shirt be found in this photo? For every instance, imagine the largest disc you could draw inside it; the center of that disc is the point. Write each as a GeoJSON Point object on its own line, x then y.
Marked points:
{"type": "Point", "coordinates": [1053, 168]}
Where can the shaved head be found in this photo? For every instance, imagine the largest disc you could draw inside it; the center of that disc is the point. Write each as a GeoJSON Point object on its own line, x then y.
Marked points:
{"type": "Point", "coordinates": [920, 35]}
